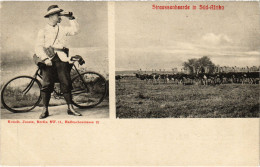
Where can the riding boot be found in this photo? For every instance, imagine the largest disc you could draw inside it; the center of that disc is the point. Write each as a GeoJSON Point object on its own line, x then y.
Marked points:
{"type": "Point", "coordinates": [71, 111]}
{"type": "Point", "coordinates": [46, 99]}
{"type": "Point", "coordinates": [45, 113]}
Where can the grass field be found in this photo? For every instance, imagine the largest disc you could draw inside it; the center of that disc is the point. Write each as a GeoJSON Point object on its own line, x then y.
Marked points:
{"type": "Point", "coordinates": [137, 99]}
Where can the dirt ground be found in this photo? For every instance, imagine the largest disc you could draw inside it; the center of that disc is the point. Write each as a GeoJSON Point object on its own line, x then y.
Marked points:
{"type": "Point", "coordinates": [60, 112]}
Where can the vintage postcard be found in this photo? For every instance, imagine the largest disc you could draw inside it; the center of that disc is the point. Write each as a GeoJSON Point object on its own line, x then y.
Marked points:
{"type": "Point", "coordinates": [147, 83]}
{"type": "Point", "coordinates": [187, 60]}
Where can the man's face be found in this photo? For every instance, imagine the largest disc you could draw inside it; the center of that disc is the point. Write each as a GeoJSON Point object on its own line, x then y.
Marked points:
{"type": "Point", "coordinates": [55, 18]}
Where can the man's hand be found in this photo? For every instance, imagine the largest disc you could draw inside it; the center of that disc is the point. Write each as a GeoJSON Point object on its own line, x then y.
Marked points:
{"type": "Point", "coordinates": [69, 15]}
{"type": "Point", "coordinates": [48, 62]}
{"type": "Point", "coordinates": [78, 58]}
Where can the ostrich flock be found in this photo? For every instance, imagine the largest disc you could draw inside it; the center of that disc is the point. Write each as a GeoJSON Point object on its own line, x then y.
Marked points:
{"type": "Point", "coordinates": [203, 76]}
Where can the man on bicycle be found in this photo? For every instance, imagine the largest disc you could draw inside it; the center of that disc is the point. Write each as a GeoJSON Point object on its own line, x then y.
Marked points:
{"type": "Point", "coordinates": [51, 48]}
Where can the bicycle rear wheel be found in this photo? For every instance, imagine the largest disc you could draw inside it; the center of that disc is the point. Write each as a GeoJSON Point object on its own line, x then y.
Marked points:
{"type": "Point", "coordinates": [89, 89]}
{"type": "Point", "coordinates": [21, 94]}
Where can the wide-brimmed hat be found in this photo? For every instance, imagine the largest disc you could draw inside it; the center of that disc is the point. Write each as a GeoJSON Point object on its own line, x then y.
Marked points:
{"type": "Point", "coordinates": [53, 9]}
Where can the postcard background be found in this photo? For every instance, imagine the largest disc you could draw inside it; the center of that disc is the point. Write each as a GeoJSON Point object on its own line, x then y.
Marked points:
{"type": "Point", "coordinates": [216, 142]}
{"type": "Point", "coordinates": [131, 141]}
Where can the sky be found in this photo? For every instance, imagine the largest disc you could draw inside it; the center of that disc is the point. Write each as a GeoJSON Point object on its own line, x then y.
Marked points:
{"type": "Point", "coordinates": [145, 38]}
{"type": "Point", "coordinates": [164, 39]}
{"type": "Point", "coordinates": [21, 21]}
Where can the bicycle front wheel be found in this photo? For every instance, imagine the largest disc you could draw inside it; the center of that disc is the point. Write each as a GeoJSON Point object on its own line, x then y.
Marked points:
{"type": "Point", "coordinates": [21, 94]}
{"type": "Point", "coordinates": [89, 89]}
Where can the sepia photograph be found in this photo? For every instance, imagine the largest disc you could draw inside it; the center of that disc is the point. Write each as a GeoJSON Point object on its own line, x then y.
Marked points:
{"type": "Point", "coordinates": [187, 59]}
{"type": "Point", "coordinates": [54, 60]}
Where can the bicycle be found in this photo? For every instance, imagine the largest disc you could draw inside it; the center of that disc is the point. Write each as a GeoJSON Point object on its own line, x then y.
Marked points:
{"type": "Point", "coordinates": [22, 93]}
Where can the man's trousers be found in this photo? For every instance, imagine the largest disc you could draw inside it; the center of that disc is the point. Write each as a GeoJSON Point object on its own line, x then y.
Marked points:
{"type": "Point", "coordinates": [58, 72]}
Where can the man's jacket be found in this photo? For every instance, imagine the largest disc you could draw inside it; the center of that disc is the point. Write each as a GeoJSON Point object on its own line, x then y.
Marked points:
{"type": "Point", "coordinates": [49, 34]}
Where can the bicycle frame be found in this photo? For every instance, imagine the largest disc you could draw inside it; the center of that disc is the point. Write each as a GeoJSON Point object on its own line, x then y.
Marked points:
{"type": "Point", "coordinates": [79, 75]}
{"type": "Point", "coordinates": [37, 74]}
{"type": "Point", "coordinates": [32, 81]}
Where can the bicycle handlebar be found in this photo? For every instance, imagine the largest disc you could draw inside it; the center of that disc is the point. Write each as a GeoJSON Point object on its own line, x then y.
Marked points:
{"type": "Point", "coordinates": [80, 60]}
